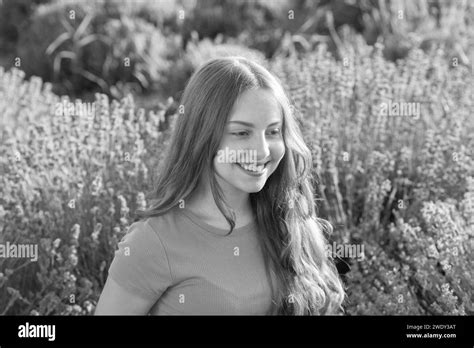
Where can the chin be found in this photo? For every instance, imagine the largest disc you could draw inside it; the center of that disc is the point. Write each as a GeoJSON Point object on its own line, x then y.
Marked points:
{"type": "Point", "coordinates": [252, 188]}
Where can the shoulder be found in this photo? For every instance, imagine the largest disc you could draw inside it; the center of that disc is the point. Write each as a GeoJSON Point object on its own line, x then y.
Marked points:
{"type": "Point", "coordinates": [140, 231]}
{"type": "Point", "coordinates": [161, 229]}
{"type": "Point", "coordinates": [142, 238]}
{"type": "Point", "coordinates": [141, 262]}
{"type": "Point", "coordinates": [168, 226]}
{"type": "Point", "coordinates": [173, 230]}
{"type": "Point", "coordinates": [158, 225]}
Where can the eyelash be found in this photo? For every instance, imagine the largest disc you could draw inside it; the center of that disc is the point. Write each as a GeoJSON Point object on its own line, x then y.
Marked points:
{"type": "Point", "coordinates": [238, 133]}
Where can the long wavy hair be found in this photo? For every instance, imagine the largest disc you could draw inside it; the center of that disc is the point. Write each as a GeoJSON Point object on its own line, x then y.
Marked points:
{"type": "Point", "coordinates": [292, 237]}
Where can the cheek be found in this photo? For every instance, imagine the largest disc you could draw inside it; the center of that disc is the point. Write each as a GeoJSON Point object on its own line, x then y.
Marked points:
{"type": "Point", "coordinates": [218, 166]}
{"type": "Point", "coordinates": [223, 169]}
{"type": "Point", "coordinates": [278, 151]}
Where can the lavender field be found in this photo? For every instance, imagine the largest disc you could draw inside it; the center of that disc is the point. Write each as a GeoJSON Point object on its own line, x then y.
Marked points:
{"type": "Point", "coordinates": [384, 99]}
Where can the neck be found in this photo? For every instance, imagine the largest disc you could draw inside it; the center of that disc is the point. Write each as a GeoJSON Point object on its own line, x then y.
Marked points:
{"type": "Point", "coordinates": [203, 201]}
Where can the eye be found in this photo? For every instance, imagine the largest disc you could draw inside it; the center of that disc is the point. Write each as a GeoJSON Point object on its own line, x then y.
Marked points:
{"type": "Point", "coordinates": [276, 131]}
{"type": "Point", "coordinates": [243, 133]}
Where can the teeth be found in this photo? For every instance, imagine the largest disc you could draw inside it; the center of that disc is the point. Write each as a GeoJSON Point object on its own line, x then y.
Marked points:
{"type": "Point", "coordinates": [253, 167]}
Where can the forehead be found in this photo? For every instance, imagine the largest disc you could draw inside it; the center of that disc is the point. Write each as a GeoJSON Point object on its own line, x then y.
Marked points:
{"type": "Point", "coordinates": [255, 105]}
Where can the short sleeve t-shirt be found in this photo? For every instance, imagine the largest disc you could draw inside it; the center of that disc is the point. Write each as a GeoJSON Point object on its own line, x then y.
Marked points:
{"type": "Point", "coordinates": [188, 267]}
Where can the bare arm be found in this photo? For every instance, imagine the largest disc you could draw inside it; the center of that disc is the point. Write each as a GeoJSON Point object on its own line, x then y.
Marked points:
{"type": "Point", "coordinates": [115, 300]}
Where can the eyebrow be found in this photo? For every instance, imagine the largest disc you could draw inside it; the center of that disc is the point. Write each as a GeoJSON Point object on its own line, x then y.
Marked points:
{"type": "Point", "coordinates": [248, 124]}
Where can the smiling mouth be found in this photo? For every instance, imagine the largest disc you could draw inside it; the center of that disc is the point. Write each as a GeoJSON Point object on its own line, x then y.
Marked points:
{"type": "Point", "coordinates": [253, 168]}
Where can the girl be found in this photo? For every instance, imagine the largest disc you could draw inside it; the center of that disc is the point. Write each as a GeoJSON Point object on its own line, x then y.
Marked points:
{"type": "Point", "coordinates": [232, 228]}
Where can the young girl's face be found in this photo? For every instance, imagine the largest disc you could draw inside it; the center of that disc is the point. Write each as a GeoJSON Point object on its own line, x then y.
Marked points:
{"type": "Point", "coordinates": [253, 134]}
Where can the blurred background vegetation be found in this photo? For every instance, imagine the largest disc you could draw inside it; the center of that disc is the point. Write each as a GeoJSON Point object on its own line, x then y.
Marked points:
{"type": "Point", "coordinates": [402, 187]}
{"type": "Point", "coordinates": [150, 48]}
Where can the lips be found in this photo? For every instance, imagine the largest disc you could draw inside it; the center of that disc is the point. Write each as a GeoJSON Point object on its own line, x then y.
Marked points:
{"type": "Point", "coordinates": [252, 167]}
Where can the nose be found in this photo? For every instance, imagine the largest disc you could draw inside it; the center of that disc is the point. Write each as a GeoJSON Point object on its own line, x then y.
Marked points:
{"type": "Point", "coordinates": [261, 146]}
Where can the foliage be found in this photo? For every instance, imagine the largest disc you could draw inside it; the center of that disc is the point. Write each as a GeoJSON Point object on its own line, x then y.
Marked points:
{"type": "Point", "coordinates": [14, 15]}
{"type": "Point", "coordinates": [399, 185]}
{"type": "Point", "coordinates": [68, 183]}
{"type": "Point", "coordinates": [48, 22]}
{"type": "Point", "coordinates": [254, 22]}
{"type": "Point", "coordinates": [141, 56]}
{"type": "Point", "coordinates": [401, 25]}
{"type": "Point", "coordinates": [77, 40]}
{"type": "Point", "coordinates": [404, 25]}
{"type": "Point", "coordinates": [197, 52]}
{"type": "Point", "coordinates": [155, 35]}
{"type": "Point", "coordinates": [92, 48]}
